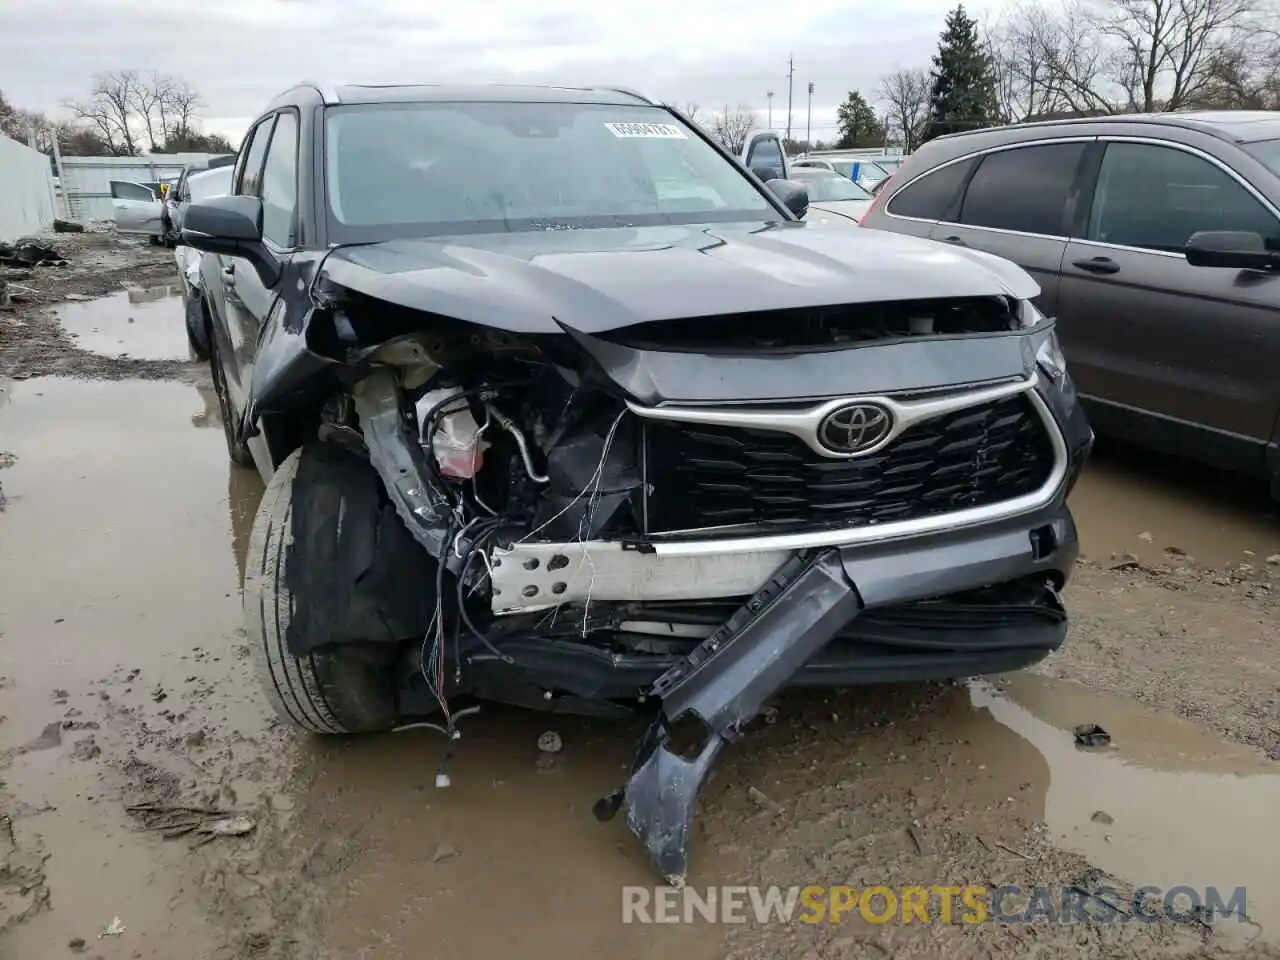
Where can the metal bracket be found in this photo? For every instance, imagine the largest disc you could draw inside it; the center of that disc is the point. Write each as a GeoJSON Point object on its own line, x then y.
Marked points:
{"type": "Point", "coordinates": [402, 465]}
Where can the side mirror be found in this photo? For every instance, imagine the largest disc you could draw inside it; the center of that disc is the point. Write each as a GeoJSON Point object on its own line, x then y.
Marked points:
{"type": "Point", "coordinates": [1238, 249]}
{"type": "Point", "coordinates": [231, 227]}
{"type": "Point", "coordinates": [766, 173]}
{"type": "Point", "coordinates": [794, 196]}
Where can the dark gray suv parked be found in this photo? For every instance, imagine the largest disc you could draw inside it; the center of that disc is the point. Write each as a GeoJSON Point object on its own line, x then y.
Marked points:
{"type": "Point", "coordinates": [1172, 343]}
{"type": "Point", "coordinates": [559, 405]}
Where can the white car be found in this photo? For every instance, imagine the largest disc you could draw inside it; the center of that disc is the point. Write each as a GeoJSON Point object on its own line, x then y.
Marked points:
{"type": "Point", "coordinates": [137, 208]}
{"type": "Point", "coordinates": [832, 197]}
{"type": "Point", "coordinates": [865, 171]}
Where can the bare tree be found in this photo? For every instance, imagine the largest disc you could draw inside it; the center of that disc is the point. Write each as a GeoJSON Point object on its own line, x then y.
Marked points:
{"type": "Point", "coordinates": [1024, 47]}
{"type": "Point", "coordinates": [151, 99]}
{"type": "Point", "coordinates": [1163, 50]}
{"type": "Point", "coordinates": [907, 93]}
{"type": "Point", "coordinates": [1114, 56]}
{"type": "Point", "coordinates": [109, 111]}
{"type": "Point", "coordinates": [1238, 81]}
{"type": "Point", "coordinates": [127, 111]}
{"type": "Point", "coordinates": [732, 127]}
{"type": "Point", "coordinates": [183, 102]}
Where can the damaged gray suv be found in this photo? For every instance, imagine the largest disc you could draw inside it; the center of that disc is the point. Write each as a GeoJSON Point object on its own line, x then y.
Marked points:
{"type": "Point", "coordinates": [559, 405]}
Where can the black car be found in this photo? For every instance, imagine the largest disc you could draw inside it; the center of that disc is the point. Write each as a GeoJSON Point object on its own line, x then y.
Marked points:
{"type": "Point", "coordinates": [1156, 243]}
{"type": "Point", "coordinates": [559, 405]}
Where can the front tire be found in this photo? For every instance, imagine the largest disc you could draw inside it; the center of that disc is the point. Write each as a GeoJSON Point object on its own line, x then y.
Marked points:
{"type": "Point", "coordinates": [330, 691]}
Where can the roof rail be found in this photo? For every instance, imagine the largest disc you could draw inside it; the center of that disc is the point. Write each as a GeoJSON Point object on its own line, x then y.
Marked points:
{"type": "Point", "coordinates": [328, 93]}
{"type": "Point", "coordinates": [627, 91]}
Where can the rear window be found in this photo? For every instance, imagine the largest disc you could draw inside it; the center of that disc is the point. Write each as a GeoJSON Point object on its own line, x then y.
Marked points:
{"type": "Point", "coordinates": [1024, 190]}
{"type": "Point", "coordinates": [929, 197]}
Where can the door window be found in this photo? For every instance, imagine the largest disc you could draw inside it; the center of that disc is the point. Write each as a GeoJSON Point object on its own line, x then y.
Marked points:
{"type": "Point", "coordinates": [249, 177]}
{"type": "Point", "coordinates": [1156, 197]}
{"type": "Point", "coordinates": [127, 190]}
{"type": "Point", "coordinates": [1024, 189]}
{"type": "Point", "coordinates": [766, 152]}
{"type": "Point", "coordinates": [280, 182]}
{"type": "Point", "coordinates": [930, 197]}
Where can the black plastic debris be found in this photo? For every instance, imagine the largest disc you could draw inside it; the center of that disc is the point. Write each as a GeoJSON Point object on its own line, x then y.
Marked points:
{"type": "Point", "coordinates": [717, 690]}
{"type": "Point", "coordinates": [30, 252]}
{"type": "Point", "coordinates": [67, 226]}
{"type": "Point", "coordinates": [1091, 735]}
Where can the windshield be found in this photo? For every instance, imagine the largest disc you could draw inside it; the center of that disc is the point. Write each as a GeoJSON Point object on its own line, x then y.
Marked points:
{"type": "Point", "coordinates": [829, 186]}
{"type": "Point", "coordinates": [1268, 151]}
{"type": "Point", "coordinates": [871, 172]}
{"type": "Point", "coordinates": [422, 169]}
{"type": "Point", "coordinates": [210, 183]}
{"type": "Point", "coordinates": [843, 167]}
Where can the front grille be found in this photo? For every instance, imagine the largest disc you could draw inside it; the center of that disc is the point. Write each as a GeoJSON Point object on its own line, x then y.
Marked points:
{"type": "Point", "coordinates": [709, 476]}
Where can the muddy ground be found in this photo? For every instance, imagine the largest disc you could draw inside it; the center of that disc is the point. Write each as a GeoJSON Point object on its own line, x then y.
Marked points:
{"type": "Point", "coordinates": [126, 693]}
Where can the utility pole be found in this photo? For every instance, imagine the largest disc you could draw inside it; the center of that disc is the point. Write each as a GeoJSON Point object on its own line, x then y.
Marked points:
{"type": "Point", "coordinates": [808, 126]}
{"type": "Point", "coordinates": [769, 97]}
{"type": "Point", "coordinates": [791, 72]}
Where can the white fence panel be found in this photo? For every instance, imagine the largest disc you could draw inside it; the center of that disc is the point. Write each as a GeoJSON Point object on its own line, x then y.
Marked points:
{"type": "Point", "coordinates": [87, 180]}
{"type": "Point", "coordinates": [26, 190]}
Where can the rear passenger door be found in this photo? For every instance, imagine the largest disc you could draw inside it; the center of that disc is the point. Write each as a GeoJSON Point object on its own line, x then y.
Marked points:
{"type": "Point", "coordinates": [1145, 331]}
{"type": "Point", "coordinates": [1016, 205]}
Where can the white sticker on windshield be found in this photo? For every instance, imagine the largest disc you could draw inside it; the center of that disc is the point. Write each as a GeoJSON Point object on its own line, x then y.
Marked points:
{"type": "Point", "coordinates": [662, 131]}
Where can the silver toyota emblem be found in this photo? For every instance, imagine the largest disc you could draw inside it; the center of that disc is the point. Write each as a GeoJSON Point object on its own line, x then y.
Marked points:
{"type": "Point", "coordinates": [857, 428]}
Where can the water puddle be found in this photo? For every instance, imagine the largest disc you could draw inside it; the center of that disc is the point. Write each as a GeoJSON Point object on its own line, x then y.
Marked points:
{"type": "Point", "coordinates": [1156, 508]}
{"type": "Point", "coordinates": [1167, 804]}
{"type": "Point", "coordinates": [141, 324]}
{"type": "Point", "coordinates": [119, 615]}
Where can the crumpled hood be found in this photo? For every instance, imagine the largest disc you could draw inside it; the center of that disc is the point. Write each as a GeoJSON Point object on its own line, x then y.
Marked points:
{"type": "Point", "coordinates": [604, 279]}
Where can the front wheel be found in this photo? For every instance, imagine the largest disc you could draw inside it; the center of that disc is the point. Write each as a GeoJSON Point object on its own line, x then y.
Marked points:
{"type": "Point", "coordinates": [339, 689]}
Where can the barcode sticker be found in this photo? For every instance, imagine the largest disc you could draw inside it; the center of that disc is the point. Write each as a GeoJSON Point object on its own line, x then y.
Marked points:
{"type": "Point", "coordinates": [662, 131]}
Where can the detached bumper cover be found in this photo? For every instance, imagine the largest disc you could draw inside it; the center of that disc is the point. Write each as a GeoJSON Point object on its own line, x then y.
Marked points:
{"type": "Point", "coordinates": [784, 635]}
{"type": "Point", "coordinates": [724, 683]}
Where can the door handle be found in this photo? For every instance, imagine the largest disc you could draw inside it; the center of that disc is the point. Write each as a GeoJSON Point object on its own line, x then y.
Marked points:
{"type": "Point", "coordinates": [1097, 265]}
{"type": "Point", "coordinates": [229, 276]}
{"type": "Point", "coordinates": [954, 241]}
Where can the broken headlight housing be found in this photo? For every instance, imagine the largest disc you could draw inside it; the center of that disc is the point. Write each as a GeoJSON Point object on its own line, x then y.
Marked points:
{"type": "Point", "coordinates": [1049, 356]}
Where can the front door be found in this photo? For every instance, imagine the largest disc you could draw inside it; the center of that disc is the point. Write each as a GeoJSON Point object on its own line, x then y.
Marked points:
{"type": "Point", "coordinates": [135, 208]}
{"type": "Point", "coordinates": [1145, 331]}
{"type": "Point", "coordinates": [242, 291]}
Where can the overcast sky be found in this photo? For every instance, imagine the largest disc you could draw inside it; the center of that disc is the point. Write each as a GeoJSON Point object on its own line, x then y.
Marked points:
{"type": "Point", "coordinates": [239, 53]}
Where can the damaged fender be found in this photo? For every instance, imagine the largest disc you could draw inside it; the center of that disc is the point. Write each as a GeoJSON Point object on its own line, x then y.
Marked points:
{"type": "Point", "coordinates": [723, 684]}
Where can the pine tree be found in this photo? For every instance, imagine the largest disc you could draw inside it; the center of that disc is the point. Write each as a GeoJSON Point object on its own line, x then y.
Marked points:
{"type": "Point", "coordinates": [859, 126]}
{"type": "Point", "coordinates": [964, 94]}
